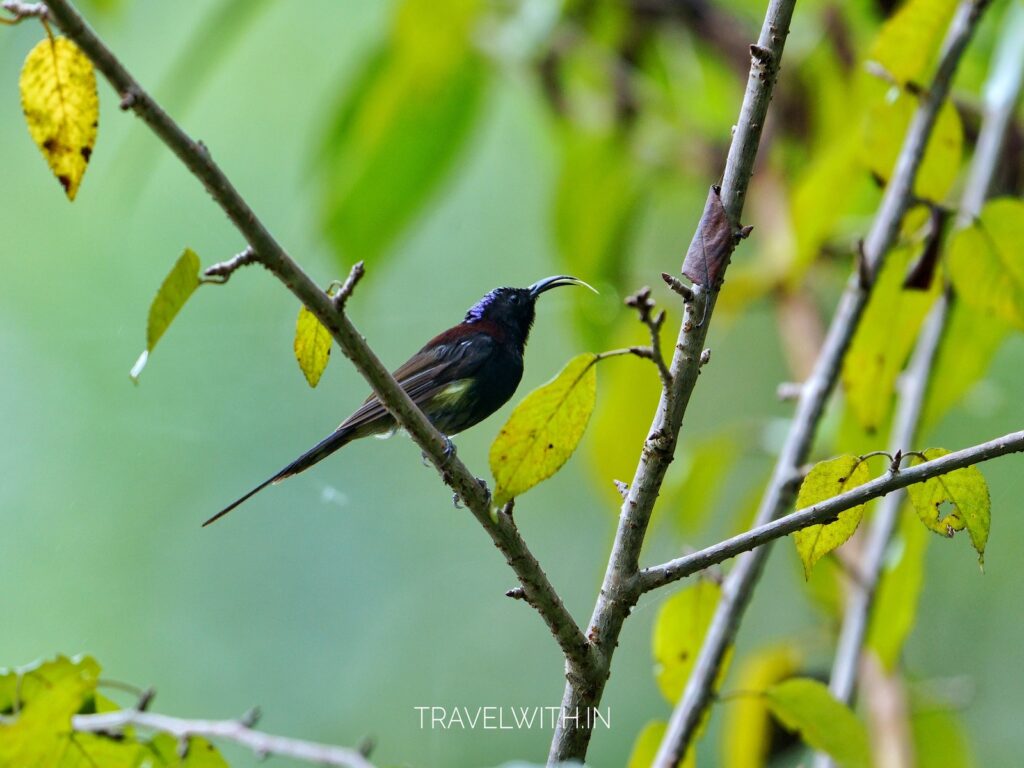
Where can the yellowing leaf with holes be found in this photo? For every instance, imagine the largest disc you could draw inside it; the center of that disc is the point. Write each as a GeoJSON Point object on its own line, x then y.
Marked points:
{"type": "Point", "coordinates": [544, 429]}
{"type": "Point", "coordinates": [58, 96]}
{"type": "Point", "coordinates": [907, 42]}
{"type": "Point", "coordinates": [884, 339]}
{"type": "Point", "coordinates": [825, 480]}
{"type": "Point", "coordinates": [895, 608]}
{"type": "Point", "coordinates": [312, 346]}
{"type": "Point", "coordinates": [986, 261]}
{"type": "Point", "coordinates": [887, 123]}
{"type": "Point", "coordinates": [806, 706]}
{"type": "Point", "coordinates": [679, 631]}
{"type": "Point", "coordinates": [966, 490]}
{"type": "Point", "coordinates": [180, 283]}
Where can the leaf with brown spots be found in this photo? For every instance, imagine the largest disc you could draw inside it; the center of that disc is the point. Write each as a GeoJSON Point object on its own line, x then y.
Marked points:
{"type": "Point", "coordinates": [58, 96]}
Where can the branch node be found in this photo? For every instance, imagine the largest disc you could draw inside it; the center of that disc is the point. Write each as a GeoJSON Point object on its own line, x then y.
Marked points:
{"type": "Point", "coordinates": [250, 717]}
{"type": "Point", "coordinates": [678, 286]}
{"type": "Point", "coordinates": [145, 699]}
{"type": "Point", "coordinates": [128, 99]}
{"type": "Point", "coordinates": [219, 273]}
{"type": "Point", "coordinates": [516, 593]}
{"type": "Point", "coordinates": [744, 232]}
{"type": "Point", "coordinates": [22, 11]}
{"type": "Point", "coordinates": [354, 276]}
{"type": "Point", "coordinates": [642, 302]}
{"type": "Point", "coordinates": [705, 357]}
{"type": "Point", "coordinates": [622, 488]}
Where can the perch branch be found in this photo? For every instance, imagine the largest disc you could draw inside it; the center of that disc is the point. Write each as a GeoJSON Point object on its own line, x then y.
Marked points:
{"type": "Point", "coordinates": [237, 731]}
{"type": "Point", "coordinates": [197, 158]}
{"type": "Point", "coordinates": [739, 584]}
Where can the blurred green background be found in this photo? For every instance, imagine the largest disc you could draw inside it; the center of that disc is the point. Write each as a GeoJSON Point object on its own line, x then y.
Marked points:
{"type": "Point", "coordinates": [344, 598]}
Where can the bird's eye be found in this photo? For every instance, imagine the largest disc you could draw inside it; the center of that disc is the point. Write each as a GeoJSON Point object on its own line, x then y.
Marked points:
{"type": "Point", "coordinates": [513, 299]}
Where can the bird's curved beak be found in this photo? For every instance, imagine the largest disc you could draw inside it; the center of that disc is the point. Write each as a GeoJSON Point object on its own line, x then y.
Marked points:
{"type": "Point", "coordinates": [554, 282]}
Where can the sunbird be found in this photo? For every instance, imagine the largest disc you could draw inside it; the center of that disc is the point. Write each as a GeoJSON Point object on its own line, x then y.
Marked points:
{"type": "Point", "coordinates": [458, 379]}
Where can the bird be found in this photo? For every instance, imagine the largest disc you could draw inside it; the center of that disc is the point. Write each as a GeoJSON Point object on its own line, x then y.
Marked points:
{"type": "Point", "coordinates": [458, 379]}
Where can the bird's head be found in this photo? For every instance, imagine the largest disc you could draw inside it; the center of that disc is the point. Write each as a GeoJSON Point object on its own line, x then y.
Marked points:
{"type": "Point", "coordinates": [513, 308]}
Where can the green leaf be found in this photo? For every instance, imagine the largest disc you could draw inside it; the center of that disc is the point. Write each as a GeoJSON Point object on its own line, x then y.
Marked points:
{"type": "Point", "coordinates": [679, 631]}
{"type": "Point", "coordinates": [825, 480]}
{"type": "Point", "coordinates": [806, 706]}
{"type": "Point", "coordinates": [312, 346]}
{"type": "Point", "coordinates": [180, 283]}
{"type": "Point", "coordinates": [966, 490]}
{"type": "Point", "coordinates": [884, 340]}
{"type": "Point", "coordinates": [401, 127]}
{"type": "Point", "coordinates": [895, 608]}
{"type": "Point", "coordinates": [748, 728]}
{"type": "Point", "coordinates": [908, 41]}
{"type": "Point", "coordinates": [886, 126]}
{"type": "Point", "coordinates": [986, 261]}
{"type": "Point", "coordinates": [968, 345]}
{"type": "Point", "coordinates": [42, 699]}
{"type": "Point", "coordinates": [544, 429]}
{"type": "Point", "coordinates": [939, 736]}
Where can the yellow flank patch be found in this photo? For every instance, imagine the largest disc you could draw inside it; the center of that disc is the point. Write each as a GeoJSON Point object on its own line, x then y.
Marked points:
{"type": "Point", "coordinates": [453, 391]}
{"type": "Point", "coordinates": [58, 96]}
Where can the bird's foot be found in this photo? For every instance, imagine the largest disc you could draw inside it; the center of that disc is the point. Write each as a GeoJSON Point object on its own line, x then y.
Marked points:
{"type": "Point", "coordinates": [455, 501]}
{"type": "Point", "coordinates": [449, 447]}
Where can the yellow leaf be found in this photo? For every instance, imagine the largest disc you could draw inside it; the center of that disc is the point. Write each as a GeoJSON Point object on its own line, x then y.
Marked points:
{"type": "Point", "coordinates": [884, 339]}
{"type": "Point", "coordinates": [180, 283]}
{"type": "Point", "coordinates": [908, 41]}
{"type": "Point", "coordinates": [312, 346]}
{"type": "Point", "coordinates": [986, 261]}
{"type": "Point", "coordinates": [966, 490]}
{"type": "Point", "coordinates": [825, 480]}
{"type": "Point", "coordinates": [544, 429]}
{"type": "Point", "coordinates": [886, 125]}
{"type": "Point", "coordinates": [679, 633]}
{"type": "Point", "coordinates": [58, 95]}
{"type": "Point", "coordinates": [748, 728]}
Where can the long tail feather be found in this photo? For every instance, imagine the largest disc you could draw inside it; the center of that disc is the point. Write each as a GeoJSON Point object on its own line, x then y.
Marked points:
{"type": "Point", "coordinates": [342, 436]}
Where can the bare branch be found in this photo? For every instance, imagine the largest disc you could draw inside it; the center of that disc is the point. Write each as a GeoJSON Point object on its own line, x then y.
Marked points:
{"type": "Point", "coordinates": [435, 446]}
{"type": "Point", "coordinates": [739, 584]}
{"type": "Point", "coordinates": [620, 586]}
{"type": "Point", "coordinates": [825, 511]}
{"type": "Point", "coordinates": [678, 286]}
{"type": "Point", "coordinates": [238, 731]}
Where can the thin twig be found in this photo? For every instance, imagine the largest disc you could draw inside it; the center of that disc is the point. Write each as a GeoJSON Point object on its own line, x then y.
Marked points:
{"type": "Point", "coordinates": [221, 272]}
{"type": "Point", "coordinates": [237, 731]}
{"type": "Point", "coordinates": [739, 584]}
{"type": "Point", "coordinates": [343, 294]}
{"type": "Point", "coordinates": [22, 11]}
{"type": "Point", "coordinates": [642, 302]}
{"type": "Point", "coordinates": [826, 511]}
{"type": "Point", "coordinates": [269, 252]}
{"type": "Point", "coordinates": [620, 586]}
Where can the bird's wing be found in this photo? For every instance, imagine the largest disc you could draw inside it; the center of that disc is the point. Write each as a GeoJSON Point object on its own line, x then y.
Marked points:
{"type": "Point", "coordinates": [428, 372]}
